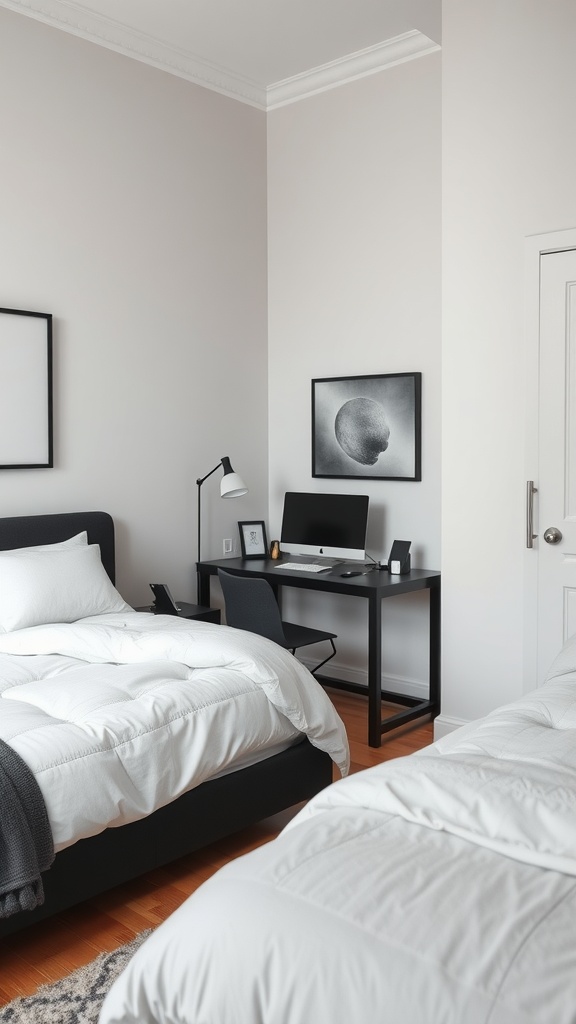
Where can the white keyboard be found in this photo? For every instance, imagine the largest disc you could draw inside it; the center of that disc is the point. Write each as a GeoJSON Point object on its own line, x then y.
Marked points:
{"type": "Point", "coordinates": [304, 567]}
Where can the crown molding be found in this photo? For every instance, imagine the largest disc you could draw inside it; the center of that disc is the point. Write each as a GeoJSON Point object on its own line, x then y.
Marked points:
{"type": "Point", "coordinates": [67, 16]}
{"type": "Point", "coordinates": [94, 28]}
{"type": "Point", "coordinates": [384, 55]}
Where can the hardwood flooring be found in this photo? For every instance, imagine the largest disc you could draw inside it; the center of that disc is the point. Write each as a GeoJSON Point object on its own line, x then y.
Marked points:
{"type": "Point", "coordinates": [54, 948]}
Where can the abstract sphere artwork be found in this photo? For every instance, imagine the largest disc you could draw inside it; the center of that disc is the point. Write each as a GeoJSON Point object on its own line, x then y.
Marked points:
{"type": "Point", "coordinates": [362, 430]}
{"type": "Point", "coordinates": [367, 427]}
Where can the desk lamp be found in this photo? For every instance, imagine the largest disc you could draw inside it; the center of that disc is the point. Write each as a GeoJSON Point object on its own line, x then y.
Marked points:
{"type": "Point", "coordinates": [231, 486]}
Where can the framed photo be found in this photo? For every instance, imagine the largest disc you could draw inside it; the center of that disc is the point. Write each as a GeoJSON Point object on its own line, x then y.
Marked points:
{"type": "Point", "coordinates": [253, 540]}
{"type": "Point", "coordinates": [25, 390]}
{"type": "Point", "coordinates": [367, 428]}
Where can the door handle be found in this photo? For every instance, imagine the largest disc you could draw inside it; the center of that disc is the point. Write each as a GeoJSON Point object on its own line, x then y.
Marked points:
{"type": "Point", "coordinates": [530, 492]}
{"type": "Point", "coordinates": [552, 535]}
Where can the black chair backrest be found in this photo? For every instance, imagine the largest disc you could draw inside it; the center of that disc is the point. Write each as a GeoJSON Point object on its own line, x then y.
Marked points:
{"type": "Point", "coordinates": [251, 605]}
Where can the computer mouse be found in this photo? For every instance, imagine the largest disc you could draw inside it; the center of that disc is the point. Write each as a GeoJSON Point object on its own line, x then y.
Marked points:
{"type": "Point", "coordinates": [354, 572]}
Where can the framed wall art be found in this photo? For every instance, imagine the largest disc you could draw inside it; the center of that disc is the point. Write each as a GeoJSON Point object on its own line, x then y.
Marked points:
{"type": "Point", "coordinates": [368, 427]}
{"type": "Point", "coordinates": [253, 539]}
{"type": "Point", "coordinates": [25, 390]}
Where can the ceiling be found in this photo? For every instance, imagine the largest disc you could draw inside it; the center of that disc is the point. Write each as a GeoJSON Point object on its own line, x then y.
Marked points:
{"type": "Point", "coordinates": [263, 52]}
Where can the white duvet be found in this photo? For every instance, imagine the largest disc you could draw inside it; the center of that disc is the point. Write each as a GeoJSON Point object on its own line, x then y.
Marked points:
{"type": "Point", "coordinates": [119, 714]}
{"type": "Point", "coordinates": [435, 889]}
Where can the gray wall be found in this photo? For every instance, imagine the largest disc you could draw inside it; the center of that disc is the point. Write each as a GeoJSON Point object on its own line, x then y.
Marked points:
{"type": "Point", "coordinates": [509, 166]}
{"type": "Point", "coordinates": [133, 208]}
{"type": "Point", "coordinates": [354, 217]}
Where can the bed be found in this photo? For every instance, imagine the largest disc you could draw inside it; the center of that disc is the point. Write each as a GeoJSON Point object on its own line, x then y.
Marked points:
{"type": "Point", "coordinates": [148, 736]}
{"type": "Point", "coordinates": [438, 888]}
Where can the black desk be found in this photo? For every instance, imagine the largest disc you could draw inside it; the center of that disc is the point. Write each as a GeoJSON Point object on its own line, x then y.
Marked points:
{"type": "Point", "coordinates": [376, 585]}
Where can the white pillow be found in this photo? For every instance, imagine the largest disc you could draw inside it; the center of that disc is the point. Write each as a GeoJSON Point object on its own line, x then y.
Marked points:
{"type": "Point", "coordinates": [72, 542]}
{"type": "Point", "coordinates": [54, 586]}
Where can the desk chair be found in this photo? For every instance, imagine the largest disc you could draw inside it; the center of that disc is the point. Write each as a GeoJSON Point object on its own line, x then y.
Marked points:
{"type": "Point", "coordinates": [252, 605]}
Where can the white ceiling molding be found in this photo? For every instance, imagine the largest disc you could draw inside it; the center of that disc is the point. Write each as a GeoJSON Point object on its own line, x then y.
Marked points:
{"type": "Point", "coordinates": [115, 36]}
{"type": "Point", "coordinates": [68, 17]}
{"type": "Point", "coordinates": [356, 65]}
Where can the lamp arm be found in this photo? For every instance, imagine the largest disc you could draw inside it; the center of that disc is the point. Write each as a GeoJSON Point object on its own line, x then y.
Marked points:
{"type": "Point", "coordinates": [199, 483]}
{"type": "Point", "coordinates": [236, 490]}
{"type": "Point", "coordinates": [201, 480]}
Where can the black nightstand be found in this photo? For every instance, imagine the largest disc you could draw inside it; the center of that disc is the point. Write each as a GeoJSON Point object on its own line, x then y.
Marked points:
{"type": "Point", "coordinates": [191, 611]}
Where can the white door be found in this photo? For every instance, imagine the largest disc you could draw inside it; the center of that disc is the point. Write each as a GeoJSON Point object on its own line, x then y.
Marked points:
{"type": "Point", "coordinates": [555, 504]}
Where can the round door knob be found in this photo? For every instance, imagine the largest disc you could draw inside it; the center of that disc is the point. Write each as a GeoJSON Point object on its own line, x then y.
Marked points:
{"type": "Point", "coordinates": [552, 535]}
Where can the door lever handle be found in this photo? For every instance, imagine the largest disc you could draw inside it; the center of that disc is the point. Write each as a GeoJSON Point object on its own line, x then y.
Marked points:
{"type": "Point", "coordinates": [530, 492]}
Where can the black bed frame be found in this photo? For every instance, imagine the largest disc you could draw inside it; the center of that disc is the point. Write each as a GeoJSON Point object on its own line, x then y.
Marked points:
{"type": "Point", "coordinates": [210, 812]}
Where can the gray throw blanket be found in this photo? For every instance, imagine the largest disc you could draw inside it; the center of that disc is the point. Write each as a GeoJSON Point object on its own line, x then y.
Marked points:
{"type": "Point", "coordinates": [26, 845]}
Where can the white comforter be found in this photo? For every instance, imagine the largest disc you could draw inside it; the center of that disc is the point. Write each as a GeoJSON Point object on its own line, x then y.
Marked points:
{"type": "Point", "coordinates": [434, 889]}
{"type": "Point", "coordinates": [119, 714]}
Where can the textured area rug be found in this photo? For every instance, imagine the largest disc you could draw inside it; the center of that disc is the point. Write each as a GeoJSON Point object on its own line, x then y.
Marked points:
{"type": "Point", "coordinates": [76, 999]}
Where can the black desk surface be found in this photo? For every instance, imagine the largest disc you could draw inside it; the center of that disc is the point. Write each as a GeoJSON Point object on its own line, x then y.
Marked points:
{"type": "Point", "coordinates": [331, 580]}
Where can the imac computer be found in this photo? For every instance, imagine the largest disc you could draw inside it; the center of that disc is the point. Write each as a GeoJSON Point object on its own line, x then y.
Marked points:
{"type": "Point", "coordinates": [329, 525]}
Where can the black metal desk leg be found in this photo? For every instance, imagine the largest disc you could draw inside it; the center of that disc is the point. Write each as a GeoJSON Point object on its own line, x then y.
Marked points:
{"type": "Point", "coordinates": [204, 589]}
{"type": "Point", "coordinates": [435, 632]}
{"type": "Point", "coordinates": [374, 670]}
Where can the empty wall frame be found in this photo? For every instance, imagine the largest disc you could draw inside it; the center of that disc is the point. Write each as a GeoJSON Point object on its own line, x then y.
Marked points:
{"type": "Point", "coordinates": [25, 389]}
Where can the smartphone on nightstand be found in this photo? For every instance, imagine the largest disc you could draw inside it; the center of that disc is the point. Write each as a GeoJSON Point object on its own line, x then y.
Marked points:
{"type": "Point", "coordinates": [164, 603]}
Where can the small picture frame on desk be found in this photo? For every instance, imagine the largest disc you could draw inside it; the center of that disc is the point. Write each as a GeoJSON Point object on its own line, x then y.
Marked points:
{"type": "Point", "coordinates": [253, 542]}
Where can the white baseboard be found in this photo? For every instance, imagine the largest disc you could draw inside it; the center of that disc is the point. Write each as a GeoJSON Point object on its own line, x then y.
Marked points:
{"type": "Point", "coordinates": [444, 725]}
{"type": "Point", "coordinates": [394, 684]}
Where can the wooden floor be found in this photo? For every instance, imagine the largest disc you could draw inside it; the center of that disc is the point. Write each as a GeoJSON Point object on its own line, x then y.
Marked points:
{"type": "Point", "coordinates": [50, 950]}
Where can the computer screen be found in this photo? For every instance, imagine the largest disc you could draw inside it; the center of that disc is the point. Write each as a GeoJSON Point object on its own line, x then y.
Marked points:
{"type": "Point", "coordinates": [324, 524]}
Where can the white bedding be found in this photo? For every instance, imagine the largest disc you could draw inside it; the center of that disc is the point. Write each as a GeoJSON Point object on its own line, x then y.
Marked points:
{"type": "Point", "coordinates": [435, 889]}
{"type": "Point", "coordinates": [119, 714]}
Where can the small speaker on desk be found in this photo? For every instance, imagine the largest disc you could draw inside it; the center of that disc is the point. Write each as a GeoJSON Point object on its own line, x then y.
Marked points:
{"type": "Point", "coordinates": [399, 558]}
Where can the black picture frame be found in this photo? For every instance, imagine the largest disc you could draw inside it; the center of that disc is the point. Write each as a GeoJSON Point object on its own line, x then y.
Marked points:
{"type": "Point", "coordinates": [367, 427]}
{"type": "Point", "coordinates": [253, 543]}
{"type": "Point", "coordinates": [26, 420]}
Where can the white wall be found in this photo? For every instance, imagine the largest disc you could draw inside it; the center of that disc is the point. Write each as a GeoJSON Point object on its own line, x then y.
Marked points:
{"type": "Point", "coordinates": [509, 167]}
{"type": "Point", "coordinates": [133, 208]}
{"type": "Point", "coordinates": [354, 288]}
